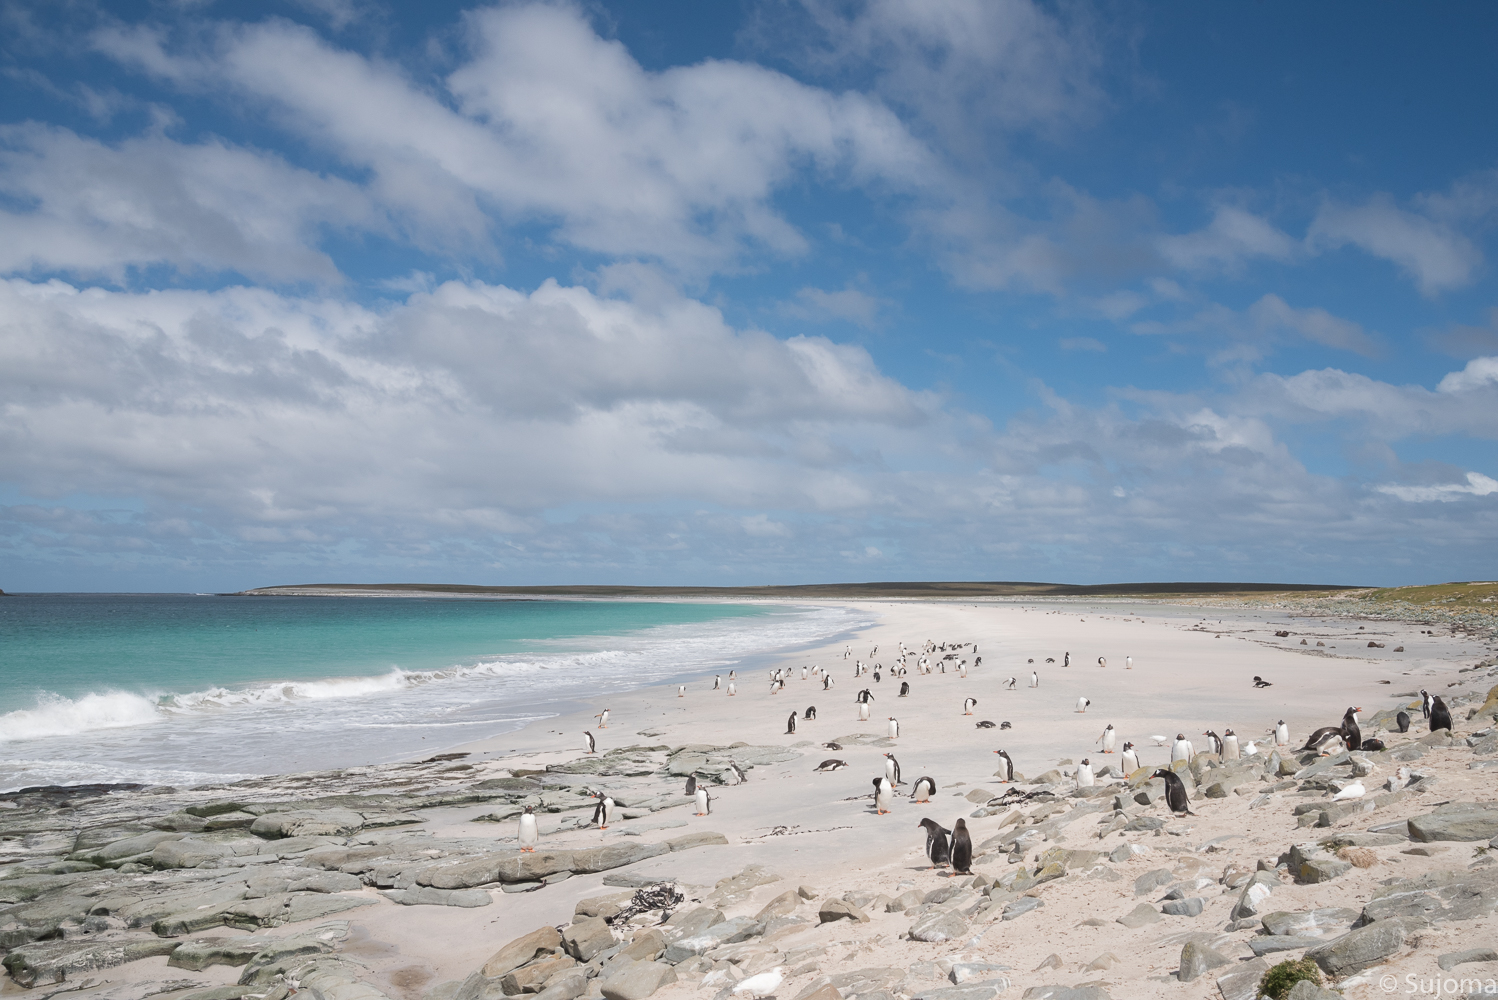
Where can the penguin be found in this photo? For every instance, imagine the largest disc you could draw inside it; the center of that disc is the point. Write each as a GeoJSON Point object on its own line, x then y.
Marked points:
{"type": "Point", "coordinates": [1281, 734]}
{"type": "Point", "coordinates": [704, 801]}
{"type": "Point", "coordinates": [811, 712]}
{"type": "Point", "coordinates": [967, 705]}
{"type": "Point", "coordinates": [1214, 742]}
{"type": "Point", "coordinates": [826, 682]}
{"type": "Point", "coordinates": [691, 785]}
{"type": "Point", "coordinates": [832, 746]}
{"type": "Point", "coordinates": [1424, 703]}
{"type": "Point", "coordinates": [790, 725]}
{"type": "Point", "coordinates": [1351, 734]}
{"type": "Point", "coordinates": [739, 777]}
{"type": "Point", "coordinates": [1128, 663]}
{"type": "Point", "coordinates": [1321, 737]}
{"type": "Point", "coordinates": [892, 769]}
{"type": "Point", "coordinates": [962, 669]}
{"type": "Point", "coordinates": [528, 832]}
{"type": "Point", "coordinates": [1440, 715]}
{"type": "Point", "coordinates": [1066, 660]}
{"type": "Point", "coordinates": [592, 743]}
{"type": "Point", "coordinates": [1009, 684]}
{"type": "Point", "coordinates": [603, 719]}
{"type": "Point", "coordinates": [1082, 704]}
{"type": "Point", "coordinates": [803, 673]}
{"type": "Point", "coordinates": [733, 675]}
{"type": "Point", "coordinates": [894, 728]}
{"type": "Point", "coordinates": [924, 788]}
{"type": "Point", "coordinates": [1260, 682]}
{"type": "Point", "coordinates": [1181, 749]}
{"type": "Point", "coordinates": [876, 677]}
{"type": "Point", "coordinates": [1006, 725]}
{"type": "Point", "coordinates": [1129, 761]}
{"type": "Point", "coordinates": [884, 795]}
{"type": "Point", "coordinates": [1403, 721]}
{"type": "Point", "coordinates": [1034, 679]}
{"type": "Point", "coordinates": [717, 681]}
{"type": "Point", "coordinates": [604, 811]}
{"type": "Point", "coordinates": [1006, 767]}
{"type": "Point", "coordinates": [864, 696]}
{"type": "Point", "coordinates": [984, 724]}
{"type": "Point", "coordinates": [1373, 746]}
{"type": "Point", "coordinates": [904, 689]}
{"type": "Point", "coordinates": [1102, 661]}
{"type": "Point", "coordinates": [863, 711]}
{"type": "Point", "coordinates": [962, 848]}
{"type": "Point", "coordinates": [1175, 792]}
{"type": "Point", "coordinates": [1230, 746]}
{"type": "Point", "coordinates": [1085, 777]}
{"type": "Point", "coordinates": [733, 689]}
{"type": "Point", "coordinates": [1108, 738]}
{"type": "Point", "coordinates": [936, 843]}
{"type": "Point", "coordinates": [831, 765]}
{"type": "Point", "coordinates": [681, 692]}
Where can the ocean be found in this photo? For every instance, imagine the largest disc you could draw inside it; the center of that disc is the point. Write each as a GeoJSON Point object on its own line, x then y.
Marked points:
{"type": "Point", "coordinates": [181, 689]}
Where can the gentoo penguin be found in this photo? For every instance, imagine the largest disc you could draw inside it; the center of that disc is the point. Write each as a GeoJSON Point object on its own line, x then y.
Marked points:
{"type": "Point", "coordinates": [811, 712]}
{"type": "Point", "coordinates": [681, 692]}
{"type": "Point", "coordinates": [1006, 767]}
{"type": "Point", "coordinates": [1214, 742]}
{"type": "Point", "coordinates": [1440, 715]}
{"type": "Point", "coordinates": [892, 769]}
{"type": "Point", "coordinates": [962, 848]}
{"type": "Point", "coordinates": [1374, 746]}
{"type": "Point", "coordinates": [803, 673]}
{"type": "Point", "coordinates": [1230, 745]}
{"type": "Point", "coordinates": [1175, 792]}
{"type": "Point", "coordinates": [1129, 760]}
{"type": "Point", "coordinates": [1424, 703]}
{"type": "Point", "coordinates": [984, 724]}
{"type": "Point", "coordinates": [1066, 660]}
{"type": "Point", "coordinates": [1006, 725]}
{"type": "Point", "coordinates": [1102, 661]}
{"type": "Point", "coordinates": [936, 843]}
{"type": "Point", "coordinates": [733, 689]}
{"type": "Point", "coordinates": [603, 719]}
{"type": "Point", "coordinates": [1260, 682]}
{"type": "Point", "coordinates": [790, 725]}
{"type": "Point", "coordinates": [592, 743]}
{"type": "Point", "coordinates": [904, 689]}
{"type": "Point", "coordinates": [1181, 749]}
{"type": "Point", "coordinates": [831, 765]}
{"type": "Point", "coordinates": [894, 728]}
{"type": "Point", "coordinates": [1351, 734]}
{"type": "Point", "coordinates": [717, 681]}
{"type": "Point", "coordinates": [739, 777]}
{"type": "Point", "coordinates": [1108, 738]}
{"type": "Point", "coordinates": [1128, 663]}
{"type": "Point", "coordinates": [604, 811]}
{"type": "Point", "coordinates": [1281, 734]}
{"type": "Point", "coordinates": [1034, 679]}
{"type": "Point", "coordinates": [1321, 737]}
{"type": "Point", "coordinates": [925, 787]}
{"type": "Point", "coordinates": [1009, 684]}
{"type": "Point", "coordinates": [962, 669]}
{"type": "Point", "coordinates": [1402, 720]}
{"type": "Point", "coordinates": [832, 746]}
{"type": "Point", "coordinates": [528, 832]}
{"type": "Point", "coordinates": [733, 675]}
{"type": "Point", "coordinates": [691, 785]}
{"type": "Point", "coordinates": [704, 801]}
{"type": "Point", "coordinates": [967, 705]}
{"type": "Point", "coordinates": [864, 695]}
{"type": "Point", "coordinates": [1085, 777]}
{"type": "Point", "coordinates": [826, 682]}
{"type": "Point", "coordinates": [884, 795]}
{"type": "Point", "coordinates": [863, 711]}
{"type": "Point", "coordinates": [1082, 704]}
{"type": "Point", "coordinates": [876, 677]}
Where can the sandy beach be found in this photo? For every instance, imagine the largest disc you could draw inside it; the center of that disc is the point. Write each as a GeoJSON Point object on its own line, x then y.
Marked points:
{"type": "Point", "coordinates": [1192, 670]}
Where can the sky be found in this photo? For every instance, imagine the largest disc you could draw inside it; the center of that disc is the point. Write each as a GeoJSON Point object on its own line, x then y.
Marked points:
{"type": "Point", "coordinates": [751, 292]}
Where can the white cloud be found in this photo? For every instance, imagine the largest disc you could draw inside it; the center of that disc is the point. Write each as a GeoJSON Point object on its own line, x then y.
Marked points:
{"type": "Point", "coordinates": [847, 304]}
{"type": "Point", "coordinates": [1231, 238]}
{"type": "Point", "coordinates": [1248, 334]}
{"type": "Point", "coordinates": [1435, 255]}
{"type": "Point", "coordinates": [1477, 485]}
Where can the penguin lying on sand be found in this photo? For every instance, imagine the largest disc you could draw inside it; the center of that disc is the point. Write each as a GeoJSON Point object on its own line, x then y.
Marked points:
{"type": "Point", "coordinates": [831, 765]}
{"type": "Point", "coordinates": [985, 724]}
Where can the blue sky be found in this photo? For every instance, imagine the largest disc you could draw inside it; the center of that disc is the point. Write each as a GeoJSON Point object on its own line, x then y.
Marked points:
{"type": "Point", "coordinates": [752, 292]}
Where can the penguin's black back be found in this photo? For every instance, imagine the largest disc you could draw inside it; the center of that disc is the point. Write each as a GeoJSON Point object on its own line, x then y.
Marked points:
{"type": "Point", "coordinates": [962, 848]}
{"type": "Point", "coordinates": [1403, 719]}
{"type": "Point", "coordinates": [1440, 715]}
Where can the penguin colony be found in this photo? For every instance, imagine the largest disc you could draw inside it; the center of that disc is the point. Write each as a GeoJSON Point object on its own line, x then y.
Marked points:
{"type": "Point", "coordinates": [953, 847]}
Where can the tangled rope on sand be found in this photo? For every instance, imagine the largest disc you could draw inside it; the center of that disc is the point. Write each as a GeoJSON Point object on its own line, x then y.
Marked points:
{"type": "Point", "coordinates": [659, 896]}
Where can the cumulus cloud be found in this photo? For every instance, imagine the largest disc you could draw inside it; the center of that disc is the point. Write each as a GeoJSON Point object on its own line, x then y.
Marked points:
{"type": "Point", "coordinates": [848, 304]}
{"type": "Point", "coordinates": [1248, 334]}
{"type": "Point", "coordinates": [1477, 485]}
{"type": "Point", "coordinates": [1435, 255]}
{"type": "Point", "coordinates": [1231, 238]}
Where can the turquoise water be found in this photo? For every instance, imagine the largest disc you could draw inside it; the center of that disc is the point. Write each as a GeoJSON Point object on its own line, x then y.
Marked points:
{"type": "Point", "coordinates": [181, 689]}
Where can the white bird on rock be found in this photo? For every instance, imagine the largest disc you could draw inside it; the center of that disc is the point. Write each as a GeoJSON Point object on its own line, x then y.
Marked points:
{"type": "Point", "coordinates": [1352, 791]}
{"type": "Point", "coordinates": [762, 985]}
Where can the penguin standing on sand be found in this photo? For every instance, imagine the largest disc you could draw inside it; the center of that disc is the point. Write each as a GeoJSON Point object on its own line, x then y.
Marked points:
{"type": "Point", "coordinates": [826, 682]}
{"type": "Point", "coordinates": [1440, 715]}
{"type": "Point", "coordinates": [1129, 762]}
{"type": "Point", "coordinates": [1281, 734]}
{"type": "Point", "coordinates": [894, 728]}
{"type": "Point", "coordinates": [592, 743]}
{"type": "Point", "coordinates": [1102, 661]}
{"type": "Point", "coordinates": [1230, 746]}
{"type": "Point", "coordinates": [528, 832]}
{"type": "Point", "coordinates": [717, 681]}
{"type": "Point", "coordinates": [1108, 738]}
{"type": "Point", "coordinates": [936, 843]}
{"type": "Point", "coordinates": [704, 801]}
{"type": "Point", "coordinates": [863, 711]}
{"type": "Point", "coordinates": [904, 689]}
{"type": "Point", "coordinates": [967, 705]}
{"type": "Point", "coordinates": [1066, 660]}
{"type": "Point", "coordinates": [1403, 721]}
{"type": "Point", "coordinates": [739, 777]}
{"type": "Point", "coordinates": [790, 725]}
{"type": "Point", "coordinates": [1034, 679]}
{"type": "Point", "coordinates": [1175, 792]}
{"type": "Point", "coordinates": [811, 712]}
{"type": "Point", "coordinates": [1006, 767]}
{"type": "Point", "coordinates": [924, 788]}
{"type": "Point", "coordinates": [884, 795]}
{"type": "Point", "coordinates": [604, 811]}
{"type": "Point", "coordinates": [1128, 663]}
{"type": "Point", "coordinates": [892, 769]}
{"type": "Point", "coordinates": [803, 673]}
{"type": "Point", "coordinates": [1082, 704]}
{"type": "Point", "coordinates": [1181, 749]}
{"type": "Point", "coordinates": [733, 689]}
{"type": "Point", "coordinates": [1009, 684]}
{"type": "Point", "coordinates": [962, 848]}
{"type": "Point", "coordinates": [681, 692]}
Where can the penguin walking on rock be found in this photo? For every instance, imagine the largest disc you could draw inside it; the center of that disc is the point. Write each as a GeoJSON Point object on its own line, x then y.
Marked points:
{"type": "Point", "coordinates": [962, 848]}
{"type": "Point", "coordinates": [1175, 792]}
{"type": "Point", "coordinates": [528, 833]}
{"type": "Point", "coordinates": [923, 789]}
{"type": "Point", "coordinates": [1230, 746]}
{"type": "Point", "coordinates": [1006, 767]}
{"type": "Point", "coordinates": [790, 725]}
{"type": "Point", "coordinates": [604, 811]}
{"type": "Point", "coordinates": [1440, 715]}
{"type": "Point", "coordinates": [936, 843]}
{"type": "Point", "coordinates": [968, 704]}
{"type": "Point", "coordinates": [1214, 742]}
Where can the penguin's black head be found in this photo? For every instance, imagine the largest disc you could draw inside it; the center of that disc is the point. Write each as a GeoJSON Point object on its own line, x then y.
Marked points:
{"type": "Point", "coordinates": [1162, 773]}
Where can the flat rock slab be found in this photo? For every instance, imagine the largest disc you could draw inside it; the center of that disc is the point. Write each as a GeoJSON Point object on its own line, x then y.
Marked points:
{"type": "Point", "coordinates": [55, 961]}
{"type": "Point", "coordinates": [542, 941]}
{"type": "Point", "coordinates": [1459, 821]}
{"type": "Point", "coordinates": [199, 954]}
{"type": "Point", "coordinates": [1198, 959]}
{"type": "Point", "coordinates": [1140, 916]}
{"type": "Point", "coordinates": [1274, 943]}
{"type": "Point", "coordinates": [939, 925]}
{"type": "Point", "coordinates": [1359, 949]}
{"type": "Point", "coordinates": [1243, 982]}
{"type": "Point", "coordinates": [637, 981]}
{"type": "Point", "coordinates": [985, 990]}
{"type": "Point", "coordinates": [1020, 907]}
{"type": "Point", "coordinates": [517, 866]}
{"type": "Point", "coordinates": [705, 838]}
{"type": "Point", "coordinates": [1453, 959]}
{"type": "Point", "coordinates": [427, 896]}
{"type": "Point", "coordinates": [1066, 993]}
{"type": "Point", "coordinates": [1311, 923]}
